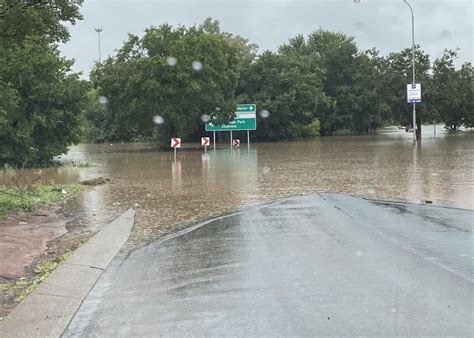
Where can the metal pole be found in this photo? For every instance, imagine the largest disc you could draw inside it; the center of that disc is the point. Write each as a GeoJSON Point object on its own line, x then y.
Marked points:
{"type": "Point", "coordinates": [413, 65]}
{"type": "Point", "coordinates": [231, 139]}
{"type": "Point", "coordinates": [248, 138]}
{"type": "Point", "coordinates": [175, 154]}
{"type": "Point", "coordinates": [99, 30]}
{"type": "Point", "coordinates": [214, 139]}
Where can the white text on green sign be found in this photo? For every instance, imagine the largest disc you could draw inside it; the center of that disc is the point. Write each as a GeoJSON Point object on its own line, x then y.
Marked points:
{"type": "Point", "coordinates": [245, 119]}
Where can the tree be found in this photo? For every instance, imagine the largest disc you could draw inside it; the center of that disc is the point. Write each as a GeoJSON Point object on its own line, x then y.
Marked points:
{"type": "Point", "coordinates": [43, 111]}
{"type": "Point", "coordinates": [246, 51]}
{"type": "Point", "coordinates": [179, 74]}
{"type": "Point", "coordinates": [396, 74]}
{"type": "Point", "coordinates": [336, 53]}
{"type": "Point", "coordinates": [369, 109]}
{"type": "Point", "coordinates": [286, 87]}
{"type": "Point", "coordinates": [41, 101]}
{"type": "Point", "coordinates": [99, 127]}
{"type": "Point", "coordinates": [452, 97]}
{"type": "Point", "coordinates": [349, 78]}
{"type": "Point", "coordinates": [466, 91]}
{"type": "Point", "coordinates": [22, 19]}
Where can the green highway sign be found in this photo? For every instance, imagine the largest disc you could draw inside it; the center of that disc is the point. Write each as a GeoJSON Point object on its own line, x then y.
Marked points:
{"type": "Point", "coordinates": [246, 119]}
{"type": "Point", "coordinates": [246, 108]}
{"type": "Point", "coordinates": [235, 124]}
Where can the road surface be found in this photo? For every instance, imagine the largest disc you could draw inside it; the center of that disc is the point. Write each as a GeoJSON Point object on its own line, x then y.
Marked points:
{"type": "Point", "coordinates": [320, 264]}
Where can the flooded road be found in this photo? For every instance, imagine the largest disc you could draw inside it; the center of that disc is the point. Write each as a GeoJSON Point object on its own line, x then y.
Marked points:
{"type": "Point", "coordinates": [308, 266]}
{"type": "Point", "coordinates": [197, 186]}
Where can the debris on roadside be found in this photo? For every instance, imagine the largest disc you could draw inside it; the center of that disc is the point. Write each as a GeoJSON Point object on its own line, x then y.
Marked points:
{"type": "Point", "coordinates": [96, 181]}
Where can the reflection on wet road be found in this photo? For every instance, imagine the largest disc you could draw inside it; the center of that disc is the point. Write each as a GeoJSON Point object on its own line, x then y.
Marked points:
{"type": "Point", "coordinates": [198, 186]}
{"type": "Point", "coordinates": [320, 264]}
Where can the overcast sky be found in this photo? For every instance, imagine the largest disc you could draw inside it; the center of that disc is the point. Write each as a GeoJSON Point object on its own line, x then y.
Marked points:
{"type": "Point", "coordinates": [384, 24]}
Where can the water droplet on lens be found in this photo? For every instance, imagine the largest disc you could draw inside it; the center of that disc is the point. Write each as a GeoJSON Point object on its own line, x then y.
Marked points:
{"type": "Point", "coordinates": [102, 100]}
{"type": "Point", "coordinates": [264, 113]}
{"type": "Point", "coordinates": [157, 119]}
{"type": "Point", "coordinates": [197, 66]}
{"type": "Point", "coordinates": [205, 118]}
{"type": "Point", "coordinates": [171, 61]}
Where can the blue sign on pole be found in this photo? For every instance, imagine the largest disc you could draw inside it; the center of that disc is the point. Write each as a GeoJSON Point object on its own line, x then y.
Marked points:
{"type": "Point", "coordinates": [414, 93]}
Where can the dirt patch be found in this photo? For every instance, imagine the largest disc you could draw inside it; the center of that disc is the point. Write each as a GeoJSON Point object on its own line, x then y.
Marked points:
{"type": "Point", "coordinates": [24, 238]}
{"type": "Point", "coordinates": [31, 246]}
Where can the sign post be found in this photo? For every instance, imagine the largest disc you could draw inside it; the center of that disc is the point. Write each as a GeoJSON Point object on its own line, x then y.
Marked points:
{"type": "Point", "coordinates": [236, 143]}
{"type": "Point", "coordinates": [245, 119]}
{"type": "Point", "coordinates": [205, 142]}
{"type": "Point", "coordinates": [414, 97]}
{"type": "Point", "coordinates": [175, 143]}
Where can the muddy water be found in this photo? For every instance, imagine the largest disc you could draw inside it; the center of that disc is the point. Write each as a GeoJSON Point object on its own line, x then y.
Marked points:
{"type": "Point", "coordinates": [197, 186]}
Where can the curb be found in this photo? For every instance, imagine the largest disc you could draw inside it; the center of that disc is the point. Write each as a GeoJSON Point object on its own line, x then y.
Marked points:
{"type": "Point", "coordinates": [47, 311]}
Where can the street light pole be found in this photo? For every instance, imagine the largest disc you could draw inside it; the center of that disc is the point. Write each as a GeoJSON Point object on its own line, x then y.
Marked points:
{"type": "Point", "coordinates": [413, 67]}
{"type": "Point", "coordinates": [99, 30]}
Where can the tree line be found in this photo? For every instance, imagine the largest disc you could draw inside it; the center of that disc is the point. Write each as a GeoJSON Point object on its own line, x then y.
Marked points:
{"type": "Point", "coordinates": [170, 80]}
{"type": "Point", "coordinates": [312, 85]}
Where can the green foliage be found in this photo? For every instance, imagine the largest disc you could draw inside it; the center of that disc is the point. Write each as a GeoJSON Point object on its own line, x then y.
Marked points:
{"type": "Point", "coordinates": [290, 88]}
{"type": "Point", "coordinates": [20, 19]}
{"type": "Point", "coordinates": [42, 113]}
{"type": "Point", "coordinates": [12, 200]}
{"type": "Point", "coordinates": [41, 101]}
{"type": "Point", "coordinates": [24, 286]}
{"type": "Point", "coordinates": [313, 85]}
{"type": "Point", "coordinates": [99, 126]}
{"type": "Point", "coordinates": [141, 81]}
{"type": "Point", "coordinates": [452, 95]}
{"type": "Point", "coordinates": [396, 74]}
{"type": "Point", "coordinates": [348, 80]}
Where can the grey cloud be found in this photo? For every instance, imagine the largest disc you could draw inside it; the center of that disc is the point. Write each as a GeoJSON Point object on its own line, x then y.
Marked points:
{"type": "Point", "coordinates": [384, 24]}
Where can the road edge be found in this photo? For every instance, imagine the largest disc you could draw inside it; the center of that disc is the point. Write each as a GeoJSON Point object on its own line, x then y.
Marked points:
{"type": "Point", "coordinates": [47, 311]}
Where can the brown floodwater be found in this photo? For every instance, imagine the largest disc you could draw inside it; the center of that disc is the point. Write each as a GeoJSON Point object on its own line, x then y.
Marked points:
{"type": "Point", "coordinates": [169, 193]}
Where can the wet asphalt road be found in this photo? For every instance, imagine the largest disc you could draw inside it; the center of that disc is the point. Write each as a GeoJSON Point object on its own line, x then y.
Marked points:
{"type": "Point", "coordinates": [321, 264]}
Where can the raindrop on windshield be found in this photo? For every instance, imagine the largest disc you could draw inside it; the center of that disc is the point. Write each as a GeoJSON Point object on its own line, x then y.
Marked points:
{"type": "Point", "coordinates": [157, 119]}
{"type": "Point", "coordinates": [171, 61]}
{"type": "Point", "coordinates": [205, 118]}
{"type": "Point", "coordinates": [264, 113]}
{"type": "Point", "coordinates": [197, 66]}
{"type": "Point", "coordinates": [102, 100]}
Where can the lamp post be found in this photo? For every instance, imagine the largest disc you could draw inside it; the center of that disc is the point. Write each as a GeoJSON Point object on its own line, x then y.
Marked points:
{"type": "Point", "coordinates": [413, 64]}
{"type": "Point", "coordinates": [99, 30]}
{"type": "Point", "coordinates": [413, 67]}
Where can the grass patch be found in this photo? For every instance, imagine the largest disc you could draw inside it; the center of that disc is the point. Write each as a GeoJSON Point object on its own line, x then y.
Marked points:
{"type": "Point", "coordinates": [42, 270]}
{"type": "Point", "coordinates": [24, 286]}
{"type": "Point", "coordinates": [12, 201]}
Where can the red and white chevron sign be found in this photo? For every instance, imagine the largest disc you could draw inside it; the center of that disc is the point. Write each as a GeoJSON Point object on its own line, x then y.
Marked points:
{"type": "Point", "coordinates": [205, 141]}
{"type": "Point", "coordinates": [235, 143]}
{"type": "Point", "coordinates": [175, 142]}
